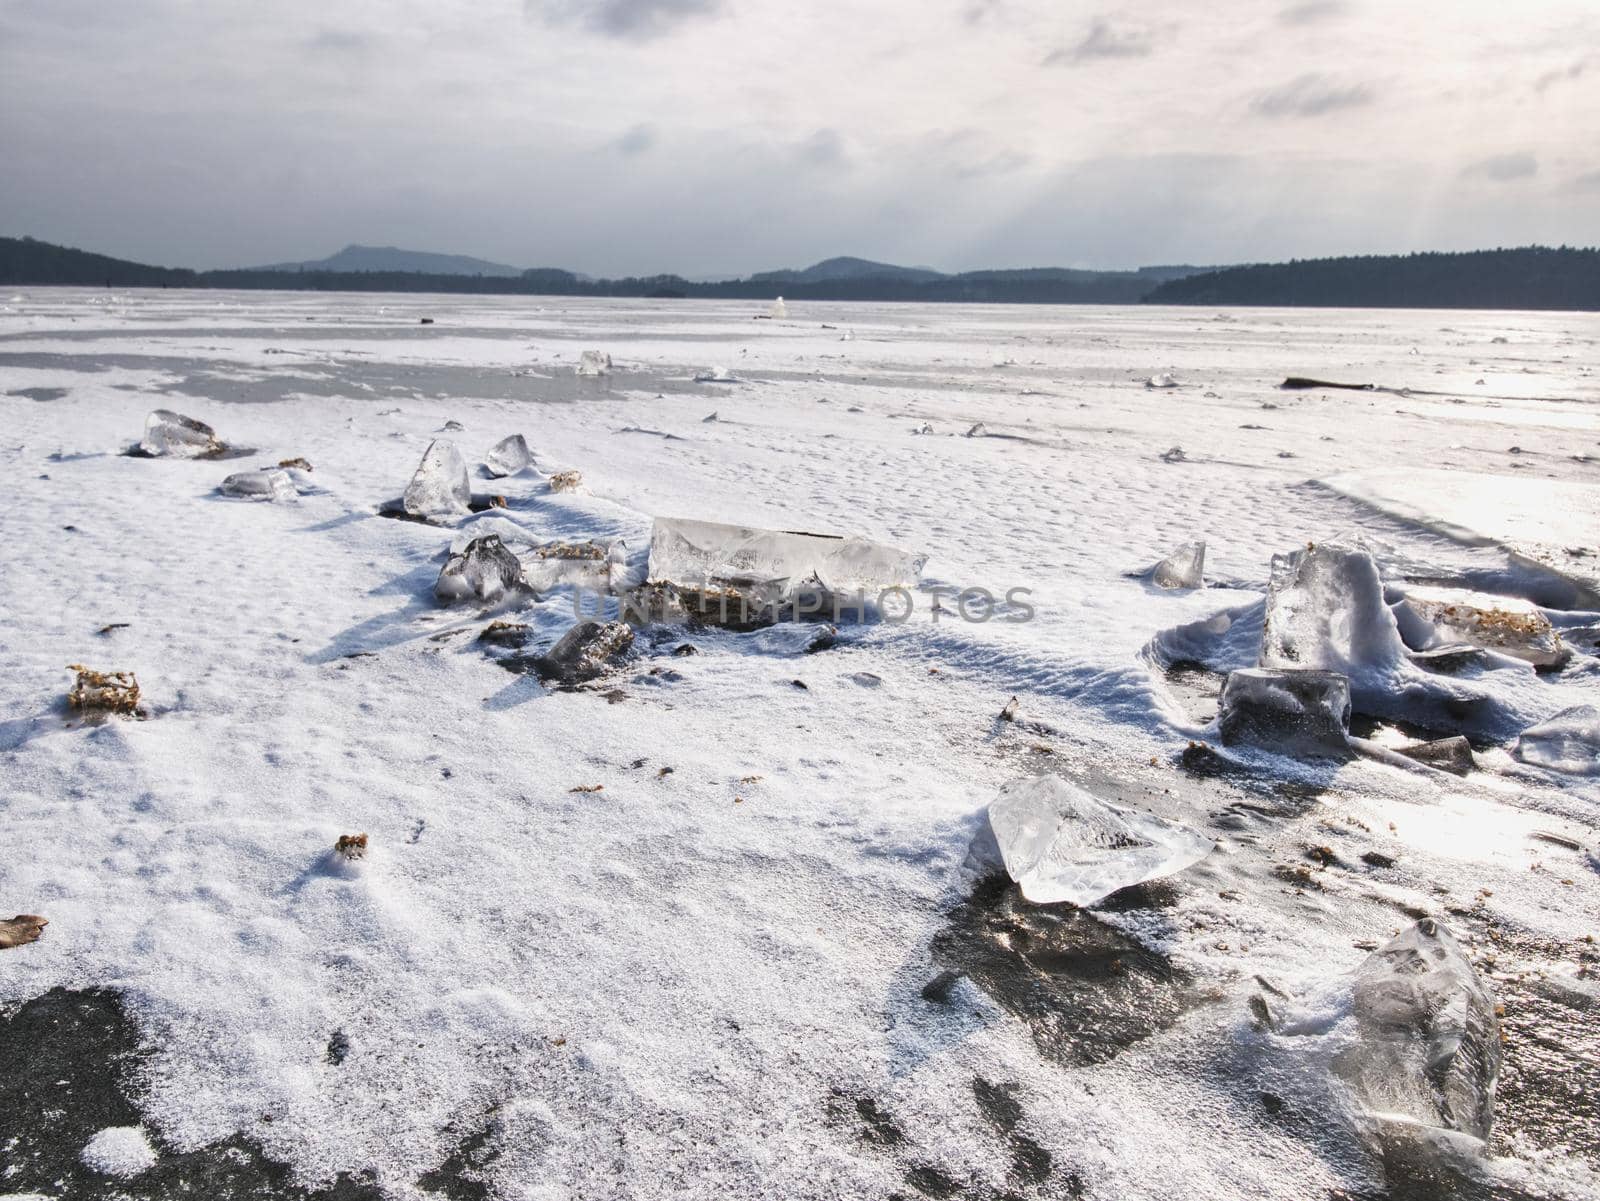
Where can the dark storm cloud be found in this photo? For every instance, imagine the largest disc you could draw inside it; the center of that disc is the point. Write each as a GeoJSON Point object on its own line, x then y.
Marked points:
{"type": "Point", "coordinates": [1105, 40]}
{"type": "Point", "coordinates": [1311, 96]}
{"type": "Point", "coordinates": [1312, 11]}
{"type": "Point", "coordinates": [1502, 168]}
{"type": "Point", "coordinates": [636, 140]}
{"type": "Point", "coordinates": [637, 19]}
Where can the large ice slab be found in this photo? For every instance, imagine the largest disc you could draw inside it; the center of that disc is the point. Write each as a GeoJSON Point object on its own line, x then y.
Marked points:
{"type": "Point", "coordinates": [1297, 712]}
{"type": "Point", "coordinates": [1325, 610]}
{"type": "Point", "coordinates": [771, 567]}
{"type": "Point", "coordinates": [440, 487]}
{"type": "Point", "coordinates": [1428, 1045]}
{"type": "Point", "coordinates": [172, 435]}
{"type": "Point", "coordinates": [1435, 617]}
{"type": "Point", "coordinates": [1060, 843]}
{"type": "Point", "coordinates": [1568, 742]}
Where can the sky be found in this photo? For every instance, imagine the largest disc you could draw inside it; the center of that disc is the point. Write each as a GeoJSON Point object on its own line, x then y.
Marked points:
{"type": "Point", "coordinates": [718, 137]}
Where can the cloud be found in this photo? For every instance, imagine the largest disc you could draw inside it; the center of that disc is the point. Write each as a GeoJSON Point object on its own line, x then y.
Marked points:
{"type": "Point", "coordinates": [1105, 40]}
{"type": "Point", "coordinates": [339, 41]}
{"type": "Point", "coordinates": [1312, 11]}
{"type": "Point", "coordinates": [825, 148]}
{"type": "Point", "coordinates": [1589, 181]}
{"type": "Point", "coordinates": [636, 140]}
{"type": "Point", "coordinates": [1501, 168]}
{"type": "Point", "coordinates": [635, 19]}
{"type": "Point", "coordinates": [1561, 75]}
{"type": "Point", "coordinates": [1311, 96]}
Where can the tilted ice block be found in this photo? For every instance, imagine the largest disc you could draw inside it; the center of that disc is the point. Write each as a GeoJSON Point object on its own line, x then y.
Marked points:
{"type": "Point", "coordinates": [594, 362]}
{"type": "Point", "coordinates": [1183, 568]}
{"type": "Point", "coordinates": [440, 487]}
{"type": "Point", "coordinates": [1428, 1043]}
{"type": "Point", "coordinates": [1060, 843]}
{"type": "Point", "coordinates": [772, 566]}
{"type": "Point", "coordinates": [1568, 742]}
{"type": "Point", "coordinates": [1296, 712]}
{"type": "Point", "coordinates": [259, 485]}
{"type": "Point", "coordinates": [585, 652]}
{"type": "Point", "coordinates": [1325, 610]}
{"type": "Point", "coordinates": [508, 456]}
{"type": "Point", "coordinates": [1431, 617]}
{"type": "Point", "coordinates": [172, 435]}
{"type": "Point", "coordinates": [486, 570]}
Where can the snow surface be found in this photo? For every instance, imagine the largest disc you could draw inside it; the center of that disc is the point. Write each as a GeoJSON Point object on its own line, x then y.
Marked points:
{"type": "Point", "coordinates": [658, 988]}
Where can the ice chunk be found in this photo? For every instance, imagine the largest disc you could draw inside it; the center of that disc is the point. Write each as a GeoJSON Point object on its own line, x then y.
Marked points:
{"type": "Point", "coordinates": [1568, 742]}
{"type": "Point", "coordinates": [484, 571]}
{"type": "Point", "coordinates": [1433, 617]}
{"type": "Point", "coordinates": [440, 487]}
{"type": "Point", "coordinates": [978, 431]}
{"type": "Point", "coordinates": [1183, 568]}
{"type": "Point", "coordinates": [597, 566]}
{"type": "Point", "coordinates": [172, 435]}
{"type": "Point", "coordinates": [771, 567]}
{"type": "Point", "coordinates": [508, 456]}
{"type": "Point", "coordinates": [1325, 610]}
{"type": "Point", "coordinates": [1447, 754]}
{"type": "Point", "coordinates": [1297, 712]}
{"type": "Point", "coordinates": [122, 1151]}
{"type": "Point", "coordinates": [1162, 379]}
{"type": "Point", "coordinates": [1062, 844]}
{"type": "Point", "coordinates": [716, 375]}
{"type": "Point", "coordinates": [585, 652]}
{"type": "Point", "coordinates": [779, 310]}
{"type": "Point", "coordinates": [272, 484]}
{"type": "Point", "coordinates": [1428, 1045]}
{"type": "Point", "coordinates": [594, 362]}
{"type": "Point", "coordinates": [1175, 455]}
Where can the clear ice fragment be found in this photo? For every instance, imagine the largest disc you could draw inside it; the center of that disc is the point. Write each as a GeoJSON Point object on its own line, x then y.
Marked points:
{"type": "Point", "coordinates": [172, 435]}
{"type": "Point", "coordinates": [1162, 379]}
{"type": "Point", "coordinates": [1325, 610]}
{"type": "Point", "coordinates": [1296, 712]}
{"type": "Point", "coordinates": [440, 487]}
{"type": "Point", "coordinates": [1183, 568]}
{"type": "Point", "coordinates": [1428, 1043]}
{"type": "Point", "coordinates": [508, 456]}
{"type": "Point", "coordinates": [594, 362]}
{"type": "Point", "coordinates": [272, 484]}
{"type": "Point", "coordinates": [1569, 742]}
{"type": "Point", "coordinates": [486, 571]}
{"type": "Point", "coordinates": [1060, 843]}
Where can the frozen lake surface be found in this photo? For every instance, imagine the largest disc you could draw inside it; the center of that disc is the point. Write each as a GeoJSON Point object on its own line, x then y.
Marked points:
{"type": "Point", "coordinates": [698, 930]}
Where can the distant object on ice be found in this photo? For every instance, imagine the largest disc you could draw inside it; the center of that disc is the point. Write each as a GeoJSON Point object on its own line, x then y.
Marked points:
{"type": "Point", "coordinates": [1060, 843]}
{"type": "Point", "coordinates": [715, 375]}
{"type": "Point", "coordinates": [440, 487]}
{"type": "Point", "coordinates": [594, 362]}
{"type": "Point", "coordinates": [779, 310]}
{"type": "Point", "coordinates": [978, 431]}
{"type": "Point", "coordinates": [1162, 379]}
{"type": "Point", "coordinates": [173, 436]}
{"type": "Point", "coordinates": [1175, 455]}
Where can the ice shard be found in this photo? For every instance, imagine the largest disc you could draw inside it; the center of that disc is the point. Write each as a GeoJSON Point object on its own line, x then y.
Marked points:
{"type": "Point", "coordinates": [1569, 742]}
{"type": "Point", "coordinates": [174, 436]}
{"type": "Point", "coordinates": [1325, 611]}
{"type": "Point", "coordinates": [1060, 843]}
{"type": "Point", "coordinates": [1296, 712]}
{"type": "Point", "coordinates": [508, 456]}
{"type": "Point", "coordinates": [587, 651]}
{"type": "Point", "coordinates": [440, 487]}
{"type": "Point", "coordinates": [765, 570]}
{"type": "Point", "coordinates": [485, 570]}
{"type": "Point", "coordinates": [1183, 568]}
{"type": "Point", "coordinates": [779, 310]}
{"type": "Point", "coordinates": [1428, 1041]}
{"type": "Point", "coordinates": [594, 362]}
{"type": "Point", "coordinates": [1162, 379]}
{"type": "Point", "coordinates": [273, 484]}
{"type": "Point", "coordinates": [1429, 618]}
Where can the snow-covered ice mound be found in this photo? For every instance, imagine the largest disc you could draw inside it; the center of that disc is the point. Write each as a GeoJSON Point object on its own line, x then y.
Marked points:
{"type": "Point", "coordinates": [1061, 843]}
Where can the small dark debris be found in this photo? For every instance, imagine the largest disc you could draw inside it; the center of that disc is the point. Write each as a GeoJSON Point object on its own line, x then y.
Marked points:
{"type": "Point", "coordinates": [338, 1048]}
{"type": "Point", "coordinates": [1377, 859]}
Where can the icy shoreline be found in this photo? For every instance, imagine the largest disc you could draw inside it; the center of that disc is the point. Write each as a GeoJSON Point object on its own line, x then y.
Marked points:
{"type": "Point", "coordinates": [714, 980]}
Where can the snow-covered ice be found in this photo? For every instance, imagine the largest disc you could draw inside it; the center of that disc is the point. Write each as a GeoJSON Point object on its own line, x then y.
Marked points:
{"type": "Point", "coordinates": [675, 930]}
{"type": "Point", "coordinates": [1060, 843]}
{"type": "Point", "coordinates": [119, 1151]}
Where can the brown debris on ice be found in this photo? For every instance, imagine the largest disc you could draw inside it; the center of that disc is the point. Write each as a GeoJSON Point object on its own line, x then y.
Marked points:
{"type": "Point", "coordinates": [298, 463]}
{"type": "Point", "coordinates": [103, 691]}
{"type": "Point", "coordinates": [565, 481]}
{"type": "Point", "coordinates": [21, 930]}
{"type": "Point", "coordinates": [351, 846]}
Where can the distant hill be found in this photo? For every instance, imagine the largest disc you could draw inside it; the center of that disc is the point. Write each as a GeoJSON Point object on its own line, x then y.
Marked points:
{"type": "Point", "coordinates": [1530, 277]}
{"type": "Point", "coordinates": [25, 261]}
{"type": "Point", "coordinates": [357, 258]}
{"type": "Point", "coordinates": [830, 270]}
